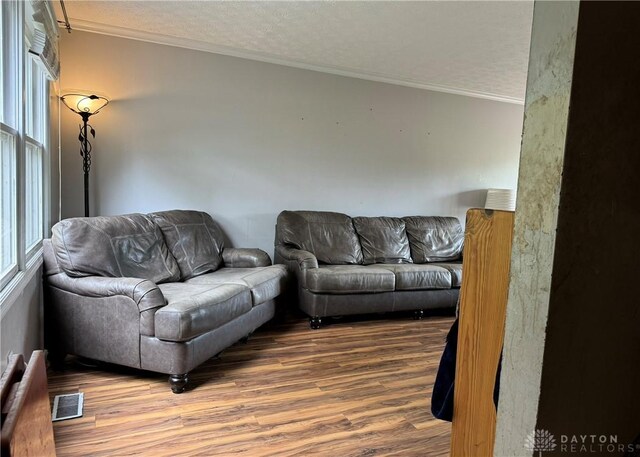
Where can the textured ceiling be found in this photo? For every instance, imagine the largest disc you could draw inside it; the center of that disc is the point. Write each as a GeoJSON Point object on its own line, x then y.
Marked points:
{"type": "Point", "coordinates": [475, 47]}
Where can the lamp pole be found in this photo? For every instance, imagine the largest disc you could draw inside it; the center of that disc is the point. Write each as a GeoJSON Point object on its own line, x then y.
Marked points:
{"type": "Point", "coordinates": [85, 152]}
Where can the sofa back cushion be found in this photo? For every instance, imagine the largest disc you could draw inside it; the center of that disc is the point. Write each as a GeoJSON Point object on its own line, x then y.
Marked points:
{"type": "Point", "coordinates": [434, 239]}
{"type": "Point", "coordinates": [383, 240]}
{"type": "Point", "coordinates": [329, 236]}
{"type": "Point", "coordinates": [113, 246]}
{"type": "Point", "coordinates": [194, 239]}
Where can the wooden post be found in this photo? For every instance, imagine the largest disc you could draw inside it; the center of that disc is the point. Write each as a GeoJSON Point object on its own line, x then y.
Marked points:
{"type": "Point", "coordinates": [483, 304]}
{"type": "Point", "coordinates": [27, 428]}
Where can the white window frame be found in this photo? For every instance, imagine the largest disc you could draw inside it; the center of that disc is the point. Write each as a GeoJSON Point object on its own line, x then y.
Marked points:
{"type": "Point", "coordinates": [34, 247]}
{"type": "Point", "coordinates": [14, 268]}
{"type": "Point", "coordinates": [27, 261]}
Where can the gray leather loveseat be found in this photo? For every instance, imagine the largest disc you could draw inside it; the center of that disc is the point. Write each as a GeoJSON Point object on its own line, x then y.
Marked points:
{"type": "Point", "coordinates": [361, 265]}
{"type": "Point", "coordinates": [158, 292]}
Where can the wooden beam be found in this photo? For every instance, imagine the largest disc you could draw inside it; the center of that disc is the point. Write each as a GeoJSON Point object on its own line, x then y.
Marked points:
{"type": "Point", "coordinates": [483, 304]}
{"type": "Point", "coordinates": [26, 418]}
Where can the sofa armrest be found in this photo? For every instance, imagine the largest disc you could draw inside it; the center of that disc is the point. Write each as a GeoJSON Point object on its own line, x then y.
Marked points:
{"type": "Point", "coordinates": [304, 259]}
{"type": "Point", "coordinates": [245, 258]}
{"type": "Point", "coordinates": [297, 262]}
{"type": "Point", "coordinates": [144, 293]}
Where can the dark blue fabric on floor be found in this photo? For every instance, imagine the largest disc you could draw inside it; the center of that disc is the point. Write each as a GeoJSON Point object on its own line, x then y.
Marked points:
{"type": "Point", "coordinates": [442, 396]}
{"type": "Point", "coordinates": [443, 389]}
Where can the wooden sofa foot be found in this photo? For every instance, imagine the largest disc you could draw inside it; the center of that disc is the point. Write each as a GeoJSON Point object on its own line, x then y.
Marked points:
{"type": "Point", "coordinates": [315, 322]}
{"type": "Point", "coordinates": [178, 382]}
{"type": "Point", "coordinates": [418, 315]}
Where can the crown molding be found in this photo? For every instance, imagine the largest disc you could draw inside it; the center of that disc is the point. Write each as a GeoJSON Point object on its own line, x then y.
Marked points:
{"type": "Point", "coordinates": [158, 38]}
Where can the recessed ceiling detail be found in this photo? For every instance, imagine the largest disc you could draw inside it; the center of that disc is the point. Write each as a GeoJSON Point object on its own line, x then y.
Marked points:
{"type": "Point", "coordinates": [474, 48]}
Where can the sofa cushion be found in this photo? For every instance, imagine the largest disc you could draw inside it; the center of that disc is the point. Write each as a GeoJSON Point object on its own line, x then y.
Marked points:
{"type": "Point", "coordinates": [434, 239]}
{"type": "Point", "coordinates": [382, 239]}
{"type": "Point", "coordinates": [265, 283]}
{"type": "Point", "coordinates": [455, 268]}
{"type": "Point", "coordinates": [194, 309]}
{"type": "Point", "coordinates": [113, 246]}
{"type": "Point", "coordinates": [420, 276]}
{"type": "Point", "coordinates": [329, 236]}
{"type": "Point", "coordinates": [349, 279]}
{"type": "Point", "coordinates": [194, 239]}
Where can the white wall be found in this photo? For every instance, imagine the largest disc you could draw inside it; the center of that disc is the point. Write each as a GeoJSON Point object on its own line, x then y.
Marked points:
{"type": "Point", "coordinates": [21, 321]}
{"type": "Point", "coordinates": [244, 140]}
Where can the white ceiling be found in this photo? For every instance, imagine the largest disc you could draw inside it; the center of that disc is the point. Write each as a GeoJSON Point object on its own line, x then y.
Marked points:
{"type": "Point", "coordinates": [476, 48]}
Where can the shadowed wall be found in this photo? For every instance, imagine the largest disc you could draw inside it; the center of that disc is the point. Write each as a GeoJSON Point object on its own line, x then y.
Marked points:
{"type": "Point", "coordinates": [591, 366]}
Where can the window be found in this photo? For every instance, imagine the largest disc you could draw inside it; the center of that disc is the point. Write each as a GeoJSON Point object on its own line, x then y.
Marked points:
{"type": "Point", "coordinates": [9, 131]}
{"type": "Point", "coordinates": [8, 242]}
{"type": "Point", "coordinates": [23, 142]}
{"type": "Point", "coordinates": [35, 113]}
{"type": "Point", "coordinates": [33, 201]}
{"type": "Point", "coordinates": [10, 63]}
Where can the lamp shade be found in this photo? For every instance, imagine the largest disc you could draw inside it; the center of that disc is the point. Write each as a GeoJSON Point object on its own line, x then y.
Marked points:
{"type": "Point", "coordinates": [502, 199]}
{"type": "Point", "coordinates": [84, 104]}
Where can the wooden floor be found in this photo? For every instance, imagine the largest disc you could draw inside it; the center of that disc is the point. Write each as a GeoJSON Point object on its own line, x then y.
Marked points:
{"type": "Point", "coordinates": [353, 388]}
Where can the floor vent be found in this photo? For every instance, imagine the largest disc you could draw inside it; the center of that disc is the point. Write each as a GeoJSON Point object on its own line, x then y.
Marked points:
{"type": "Point", "coordinates": [67, 406]}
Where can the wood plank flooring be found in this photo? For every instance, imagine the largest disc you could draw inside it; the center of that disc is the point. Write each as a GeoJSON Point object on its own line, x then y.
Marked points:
{"type": "Point", "coordinates": [354, 388]}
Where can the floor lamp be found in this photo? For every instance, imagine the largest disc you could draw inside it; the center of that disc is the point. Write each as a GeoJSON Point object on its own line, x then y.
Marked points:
{"type": "Point", "coordinates": [86, 106]}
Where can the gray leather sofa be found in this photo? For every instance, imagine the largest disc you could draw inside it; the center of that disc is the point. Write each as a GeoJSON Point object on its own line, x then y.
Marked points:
{"type": "Point", "coordinates": [158, 292]}
{"type": "Point", "coordinates": [360, 265]}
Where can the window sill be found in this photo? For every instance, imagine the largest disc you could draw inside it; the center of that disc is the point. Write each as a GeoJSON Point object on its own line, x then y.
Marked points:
{"type": "Point", "coordinates": [16, 286]}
